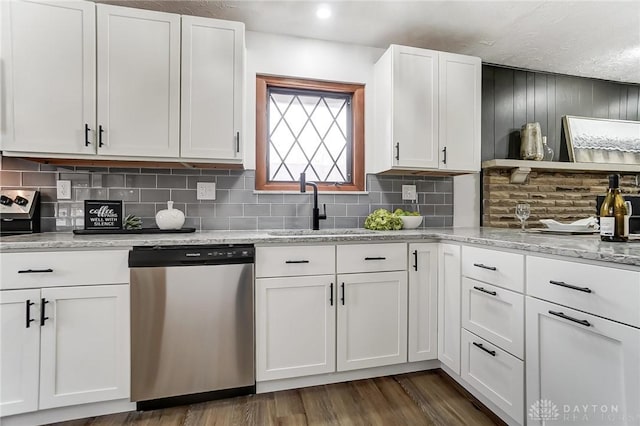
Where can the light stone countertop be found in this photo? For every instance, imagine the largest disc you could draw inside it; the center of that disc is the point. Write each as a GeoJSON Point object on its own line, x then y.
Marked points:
{"type": "Point", "coordinates": [578, 246]}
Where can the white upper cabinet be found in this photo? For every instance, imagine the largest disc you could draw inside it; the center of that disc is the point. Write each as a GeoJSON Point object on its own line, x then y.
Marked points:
{"type": "Point", "coordinates": [138, 82]}
{"type": "Point", "coordinates": [49, 55]}
{"type": "Point", "coordinates": [212, 89]}
{"type": "Point", "coordinates": [427, 111]}
{"type": "Point", "coordinates": [460, 80]}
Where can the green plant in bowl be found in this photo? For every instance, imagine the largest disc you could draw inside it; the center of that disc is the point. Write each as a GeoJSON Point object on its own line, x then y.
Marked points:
{"type": "Point", "coordinates": [400, 212]}
{"type": "Point", "coordinates": [383, 220]}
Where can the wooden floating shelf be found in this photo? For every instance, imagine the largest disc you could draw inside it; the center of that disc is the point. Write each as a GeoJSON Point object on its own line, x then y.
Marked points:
{"type": "Point", "coordinates": [522, 168]}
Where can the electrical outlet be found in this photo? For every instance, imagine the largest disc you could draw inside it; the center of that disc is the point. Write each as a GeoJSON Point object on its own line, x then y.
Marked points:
{"type": "Point", "coordinates": [63, 189]}
{"type": "Point", "coordinates": [206, 191]}
{"type": "Point", "coordinates": [409, 193]}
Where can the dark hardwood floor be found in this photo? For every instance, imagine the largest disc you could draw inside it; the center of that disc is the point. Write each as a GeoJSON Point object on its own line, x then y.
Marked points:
{"type": "Point", "coordinates": [423, 398]}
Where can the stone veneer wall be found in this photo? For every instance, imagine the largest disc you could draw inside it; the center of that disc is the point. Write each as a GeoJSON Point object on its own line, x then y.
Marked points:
{"type": "Point", "coordinates": [552, 195]}
{"type": "Point", "coordinates": [237, 207]}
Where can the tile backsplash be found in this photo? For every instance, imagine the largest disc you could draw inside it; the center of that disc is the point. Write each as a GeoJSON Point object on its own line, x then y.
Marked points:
{"type": "Point", "coordinates": [145, 191]}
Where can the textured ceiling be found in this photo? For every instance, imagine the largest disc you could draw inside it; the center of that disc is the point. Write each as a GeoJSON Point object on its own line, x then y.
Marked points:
{"type": "Point", "coordinates": [599, 39]}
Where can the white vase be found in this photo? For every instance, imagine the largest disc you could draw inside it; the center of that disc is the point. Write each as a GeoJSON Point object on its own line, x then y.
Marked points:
{"type": "Point", "coordinates": [170, 218]}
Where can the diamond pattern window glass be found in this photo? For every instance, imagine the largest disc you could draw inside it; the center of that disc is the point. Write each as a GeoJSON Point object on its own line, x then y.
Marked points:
{"type": "Point", "coordinates": [309, 131]}
{"type": "Point", "coordinates": [316, 127]}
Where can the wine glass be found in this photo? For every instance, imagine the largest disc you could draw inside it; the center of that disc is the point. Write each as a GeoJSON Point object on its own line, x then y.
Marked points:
{"type": "Point", "coordinates": [523, 211]}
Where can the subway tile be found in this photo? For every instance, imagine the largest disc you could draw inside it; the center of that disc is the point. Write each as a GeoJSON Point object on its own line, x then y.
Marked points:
{"type": "Point", "coordinates": [397, 184]}
{"type": "Point", "coordinates": [96, 180]}
{"type": "Point", "coordinates": [448, 198]}
{"type": "Point", "coordinates": [347, 198]}
{"type": "Point", "coordinates": [81, 194]}
{"type": "Point", "coordinates": [380, 185]}
{"type": "Point", "coordinates": [297, 222]}
{"type": "Point", "coordinates": [184, 195]}
{"type": "Point", "coordinates": [55, 168]}
{"type": "Point", "coordinates": [242, 196]}
{"type": "Point", "coordinates": [10, 178]}
{"type": "Point", "coordinates": [215, 172]}
{"type": "Point", "coordinates": [305, 209]}
{"type": "Point", "coordinates": [200, 210]}
{"type": "Point", "coordinates": [48, 224]}
{"type": "Point", "coordinates": [192, 181]}
{"type": "Point", "coordinates": [283, 209]}
{"type": "Point", "coordinates": [47, 194]}
{"type": "Point", "coordinates": [434, 199]}
{"type": "Point", "coordinates": [328, 223]}
{"type": "Point", "coordinates": [433, 221]}
{"type": "Point", "coordinates": [250, 183]}
{"type": "Point", "coordinates": [155, 195]}
{"type": "Point", "coordinates": [271, 223]}
{"type": "Point", "coordinates": [326, 199]}
{"type": "Point", "coordinates": [215, 223]}
{"type": "Point", "coordinates": [39, 179]}
{"type": "Point", "coordinates": [346, 222]}
{"type": "Point", "coordinates": [124, 194]}
{"type": "Point", "coordinates": [113, 180]}
{"type": "Point", "coordinates": [171, 181]}
{"type": "Point", "coordinates": [391, 198]}
{"type": "Point", "coordinates": [12, 163]}
{"type": "Point", "coordinates": [257, 209]}
{"type": "Point", "coordinates": [48, 209]}
{"type": "Point", "coordinates": [249, 173]}
{"type": "Point", "coordinates": [426, 186]}
{"type": "Point", "coordinates": [448, 221]}
{"type": "Point", "coordinates": [77, 179]}
{"type": "Point", "coordinates": [444, 210]}
{"type": "Point", "coordinates": [427, 209]}
{"type": "Point", "coordinates": [270, 198]}
{"type": "Point", "coordinates": [444, 186]}
{"type": "Point", "coordinates": [243, 223]}
{"type": "Point", "coordinates": [155, 171]}
{"type": "Point", "coordinates": [227, 210]}
{"type": "Point", "coordinates": [192, 222]}
{"type": "Point", "coordinates": [357, 210]}
{"type": "Point", "coordinates": [230, 182]}
{"type": "Point", "coordinates": [185, 171]}
{"type": "Point", "coordinates": [222, 196]}
{"type": "Point", "coordinates": [237, 172]}
{"type": "Point", "coordinates": [124, 170]}
{"type": "Point", "coordinates": [298, 198]}
{"type": "Point", "coordinates": [337, 210]}
{"type": "Point", "coordinates": [92, 169]}
{"type": "Point", "coordinates": [140, 181]}
{"type": "Point", "coordinates": [140, 210]}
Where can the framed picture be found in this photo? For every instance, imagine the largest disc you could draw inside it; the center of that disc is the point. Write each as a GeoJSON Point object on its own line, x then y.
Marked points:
{"type": "Point", "coordinates": [102, 214]}
{"type": "Point", "coordinates": [598, 140]}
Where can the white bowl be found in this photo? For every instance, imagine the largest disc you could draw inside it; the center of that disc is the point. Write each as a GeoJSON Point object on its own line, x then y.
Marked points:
{"type": "Point", "coordinates": [411, 222]}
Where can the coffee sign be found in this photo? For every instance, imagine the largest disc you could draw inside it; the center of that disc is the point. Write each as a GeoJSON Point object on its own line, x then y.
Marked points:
{"type": "Point", "coordinates": [102, 214]}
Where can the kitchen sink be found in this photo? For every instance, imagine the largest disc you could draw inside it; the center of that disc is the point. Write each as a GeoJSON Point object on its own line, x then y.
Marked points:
{"type": "Point", "coordinates": [308, 232]}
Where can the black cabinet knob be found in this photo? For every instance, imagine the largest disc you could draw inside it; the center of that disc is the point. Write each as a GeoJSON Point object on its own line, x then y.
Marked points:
{"type": "Point", "coordinates": [5, 201]}
{"type": "Point", "coordinates": [21, 201]}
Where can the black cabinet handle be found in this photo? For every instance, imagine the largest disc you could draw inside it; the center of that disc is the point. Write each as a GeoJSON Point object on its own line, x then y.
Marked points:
{"type": "Point", "coordinates": [331, 294]}
{"type": "Point", "coordinates": [567, 317]}
{"type": "Point", "coordinates": [100, 132]}
{"type": "Point", "coordinates": [482, 289]}
{"type": "Point", "coordinates": [237, 141]}
{"type": "Point", "coordinates": [480, 265]}
{"type": "Point", "coordinates": [415, 260]}
{"type": "Point", "coordinates": [29, 303]}
{"type": "Point", "coordinates": [296, 261]}
{"type": "Point", "coordinates": [342, 298]}
{"type": "Point", "coordinates": [375, 258]}
{"type": "Point", "coordinates": [492, 353]}
{"type": "Point", "coordinates": [86, 135]}
{"type": "Point", "coordinates": [43, 318]}
{"type": "Point", "coordinates": [572, 287]}
{"type": "Point", "coordinates": [398, 151]}
{"type": "Point", "coordinates": [35, 271]}
{"type": "Point", "coordinates": [444, 160]}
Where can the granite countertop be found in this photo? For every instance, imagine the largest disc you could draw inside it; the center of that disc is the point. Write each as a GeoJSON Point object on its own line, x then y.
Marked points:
{"type": "Point", "coordinates": [579, 246]}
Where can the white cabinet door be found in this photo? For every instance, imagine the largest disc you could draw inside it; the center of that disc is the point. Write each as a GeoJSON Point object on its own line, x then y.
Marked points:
{"type": "Point", "coordinates": [19, 351]}
{"type": "Point", "coordinates": [212, 89]}
{"type": "Point", "coordinates": [85, 345]}
{"type": "Point", "coordinates": [372, 320]}
{"type": "Point", "coordinates": [586, 367]}
{"type": "Point", "coordinates": [460, 79]}
{"type": "Point", "coordinates": [423, 302]}
{"type": "Point", "coordinates": [295, 326]}
{"type": "Point", "coordinates": [415, 108]}
{"type": "Point", "coordinates": [138, 82]}
{"type": "Point", "coordinates": [49, 55]}
{"type": "Point", "coordinates": [449, 306]}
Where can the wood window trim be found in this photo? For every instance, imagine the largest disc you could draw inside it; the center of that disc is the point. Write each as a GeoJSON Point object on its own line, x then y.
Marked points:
{"type": "Point", "coordinates": [357, 111]}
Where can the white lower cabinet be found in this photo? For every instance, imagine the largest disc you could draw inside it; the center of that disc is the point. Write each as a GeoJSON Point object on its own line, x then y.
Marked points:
{"type": "Point", "coordinates": [581, 369]}
{"type": "Point", "coordinates": [372, 320]}
{"type": "Point", "coordinates": [497, 374]}
{"type": "Point", "coordinates": [74, 351]}
{"type": "Point", "coordinates": [295, 326]}
{"type": "Point", "coordinates": [449, 306]}
{"type": "Point", "coordinates": [423, 302]}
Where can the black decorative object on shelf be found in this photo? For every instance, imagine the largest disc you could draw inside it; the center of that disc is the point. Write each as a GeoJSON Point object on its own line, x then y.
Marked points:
{"type": "Point", "coordinates": [102, 214]}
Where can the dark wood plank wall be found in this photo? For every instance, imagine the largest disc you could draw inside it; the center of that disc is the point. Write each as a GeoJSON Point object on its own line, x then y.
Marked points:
{"type": "Point", "coordinates": [511, 98]}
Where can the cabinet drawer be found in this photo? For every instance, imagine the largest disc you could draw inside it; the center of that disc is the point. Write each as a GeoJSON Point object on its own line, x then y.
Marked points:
{"type": "Point", "coordinates": [295, 261]}
{"type": "Point", "coordinates": [600, 290]}
{"type": "Point", "coordinates": [494, 267]}
{"type": "Point", "coordinates": [495, 314]}
{"type": "Point", "coordinates": [63, 268]}
{"type": "Point", "coordinates": [499, 376]}
{"type": "Point", "coordinates": [372, 258]}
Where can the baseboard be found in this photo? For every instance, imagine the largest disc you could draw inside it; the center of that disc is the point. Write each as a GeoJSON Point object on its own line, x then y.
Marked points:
{"type": "Point", "coordinates": [62, 414]}
{"type": "Point", "coordinates": [344, 376]}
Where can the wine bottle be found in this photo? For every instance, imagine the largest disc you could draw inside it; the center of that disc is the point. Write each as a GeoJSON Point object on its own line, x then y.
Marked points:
{"type": "Point", "coordinates": [614, 222]}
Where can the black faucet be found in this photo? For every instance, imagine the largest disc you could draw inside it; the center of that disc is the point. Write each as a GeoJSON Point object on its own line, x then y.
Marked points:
{"type": "Point", "coordinates": [317, 217]}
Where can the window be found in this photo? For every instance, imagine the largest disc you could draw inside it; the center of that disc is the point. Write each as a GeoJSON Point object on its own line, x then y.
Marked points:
{"type": "Point", "coordinates": [309, 126]}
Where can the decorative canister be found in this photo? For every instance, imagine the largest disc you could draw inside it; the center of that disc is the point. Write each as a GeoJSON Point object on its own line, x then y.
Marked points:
{"type": "Point", "coordinates": [531, 142]}
{"type": "Point", "coordinates": [170, 218]}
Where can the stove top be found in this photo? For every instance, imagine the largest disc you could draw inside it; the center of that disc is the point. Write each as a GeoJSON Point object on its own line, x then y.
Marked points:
{"type": "Point", "coordinates": [19, 212]}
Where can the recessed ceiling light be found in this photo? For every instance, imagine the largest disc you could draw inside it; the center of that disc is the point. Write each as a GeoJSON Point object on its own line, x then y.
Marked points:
{"type": "Point", "coordinates": [323, 12]}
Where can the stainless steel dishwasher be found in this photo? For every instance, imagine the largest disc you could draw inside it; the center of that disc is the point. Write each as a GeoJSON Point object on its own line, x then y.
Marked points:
{"type": "Point", "coordinates": [192, 327]}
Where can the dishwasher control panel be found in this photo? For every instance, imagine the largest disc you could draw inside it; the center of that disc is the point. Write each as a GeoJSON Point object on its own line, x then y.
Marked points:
{"type": "Point", "coordinates": [159, 256]}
